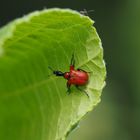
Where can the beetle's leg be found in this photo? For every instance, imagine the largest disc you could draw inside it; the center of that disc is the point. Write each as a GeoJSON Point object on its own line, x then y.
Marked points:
{"type": "Point", "coordinates": [84, 70]}
{"type": "Point", "coordinates": [81, 70]}
{"type": "Point", "coordinates": [72, 60]}
{"type": "Point", "coordinates": [68, 87]}
{"type": "Point", "coordinates": [82, 90]}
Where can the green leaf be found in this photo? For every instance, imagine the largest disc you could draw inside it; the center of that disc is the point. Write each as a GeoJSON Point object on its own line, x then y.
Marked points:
{"type": "Point", "coordinates": [34, 105]}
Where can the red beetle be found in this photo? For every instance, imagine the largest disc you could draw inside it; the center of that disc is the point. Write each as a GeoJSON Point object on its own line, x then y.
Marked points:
{"type": "Point", "coordinates": [77, 77]}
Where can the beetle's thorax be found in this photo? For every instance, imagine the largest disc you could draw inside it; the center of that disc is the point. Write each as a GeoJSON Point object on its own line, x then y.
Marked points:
{"type": "Point", "coordinates": [67, 75]}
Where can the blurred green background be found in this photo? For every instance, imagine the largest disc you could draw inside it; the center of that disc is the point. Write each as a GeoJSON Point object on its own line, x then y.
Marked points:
{"type": "Point", "coordinates": [117, 117]}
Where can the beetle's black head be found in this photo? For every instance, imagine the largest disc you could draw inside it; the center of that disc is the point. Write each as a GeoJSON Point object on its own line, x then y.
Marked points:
{"type": "Point", "coordinates": [57, 72]}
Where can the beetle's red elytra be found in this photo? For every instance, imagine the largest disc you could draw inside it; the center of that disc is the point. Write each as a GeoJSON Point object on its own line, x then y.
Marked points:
{"type": "Point", "coordinates": [77, 77]}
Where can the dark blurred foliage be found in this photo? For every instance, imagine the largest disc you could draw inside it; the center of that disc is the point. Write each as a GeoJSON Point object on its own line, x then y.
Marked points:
{"type": "Point", "coordinates": [117, 117]}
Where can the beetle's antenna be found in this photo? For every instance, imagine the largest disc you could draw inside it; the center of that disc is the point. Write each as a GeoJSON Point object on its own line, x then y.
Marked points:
{"type": "Point", "coordinates": [56, 72]}
{"type": "Point", "coordinates": [50, 68]}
